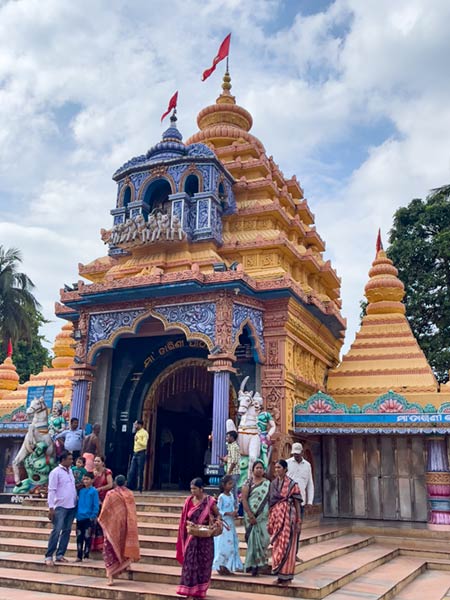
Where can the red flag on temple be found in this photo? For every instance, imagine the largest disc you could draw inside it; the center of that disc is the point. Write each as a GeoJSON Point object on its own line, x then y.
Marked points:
{"type": "Point", "coordinates": [379, 242]}
{"type": "Point", "coordinates": [9, 350]}
{"type": "Point", "coordinates": [172, 104]}
{"type": "Point", "coordinates": [224, 50]}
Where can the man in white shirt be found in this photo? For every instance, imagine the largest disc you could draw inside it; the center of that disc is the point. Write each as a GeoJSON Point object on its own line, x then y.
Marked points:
{"type": "Point", "coordinates": [299, 469]}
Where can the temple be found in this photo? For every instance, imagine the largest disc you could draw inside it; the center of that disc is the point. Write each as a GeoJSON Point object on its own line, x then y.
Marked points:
{"type": "Point", "coordinates": [213, 274]}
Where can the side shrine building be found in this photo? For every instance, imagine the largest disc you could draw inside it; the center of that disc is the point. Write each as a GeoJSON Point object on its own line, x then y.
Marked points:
{"type": "Point", "coordinates": [214, 274]}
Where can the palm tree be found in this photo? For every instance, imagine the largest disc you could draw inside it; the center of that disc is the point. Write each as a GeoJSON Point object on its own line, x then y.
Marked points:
{"type": "Point", "coordinates": [17, 303]}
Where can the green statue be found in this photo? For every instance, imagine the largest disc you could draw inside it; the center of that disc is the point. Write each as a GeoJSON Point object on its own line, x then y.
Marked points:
{"type": "Point", "coordinates": [38, 466]}
{"type": "Point", "coordinates": [56, 421]}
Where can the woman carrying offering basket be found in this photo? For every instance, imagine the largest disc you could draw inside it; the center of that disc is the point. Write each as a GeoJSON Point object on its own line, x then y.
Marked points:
{"type": "Point", "coordinates": [200, 522]}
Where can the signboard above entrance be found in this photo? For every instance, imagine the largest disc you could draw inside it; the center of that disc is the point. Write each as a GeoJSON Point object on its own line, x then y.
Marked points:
{"type": "Point", "coordinates": [40, 391]}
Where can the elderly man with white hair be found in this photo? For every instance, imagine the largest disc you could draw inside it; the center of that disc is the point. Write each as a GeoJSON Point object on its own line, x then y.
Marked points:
{"type": "Point", "coordinates": [299, 469]}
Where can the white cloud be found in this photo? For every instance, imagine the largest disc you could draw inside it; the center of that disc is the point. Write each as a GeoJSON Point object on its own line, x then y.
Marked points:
{"type": "Point", "coordinates": [83, 85]}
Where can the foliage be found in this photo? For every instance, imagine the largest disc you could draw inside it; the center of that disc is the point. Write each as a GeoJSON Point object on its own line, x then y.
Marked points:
{"type": "Point", "coordinates": [17, 303]}
{"type": "Point", "coordinates": [20, 318]}
{"type": "Point", "coordinates": [30, 356]}
{"type": "Point", "coordinates": [420, 249]}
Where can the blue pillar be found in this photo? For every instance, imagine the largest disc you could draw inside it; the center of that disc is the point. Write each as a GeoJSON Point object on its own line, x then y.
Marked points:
{"type": "Point", "coordinates": [220, 414]}
{"type": "Point", "coordinates": [79, 398]}
{"type": "Point", "coordinates": [83, 377]}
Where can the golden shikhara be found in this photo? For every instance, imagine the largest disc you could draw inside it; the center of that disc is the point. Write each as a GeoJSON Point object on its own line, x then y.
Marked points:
{"type": "Point", "coordinates": [385, 354]}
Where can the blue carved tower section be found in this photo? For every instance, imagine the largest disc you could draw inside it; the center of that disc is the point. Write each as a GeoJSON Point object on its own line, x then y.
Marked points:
{"type": "Point", "coordinates": [173, 193]}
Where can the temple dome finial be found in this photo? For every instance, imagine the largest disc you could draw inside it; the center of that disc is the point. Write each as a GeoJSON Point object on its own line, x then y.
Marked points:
{"type": "Point", "coordinates": [226, 97]}
{"type": "Point", "coordinates": [384, 290]}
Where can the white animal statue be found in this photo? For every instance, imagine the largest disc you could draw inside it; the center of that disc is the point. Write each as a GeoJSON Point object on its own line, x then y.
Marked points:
{"type": "Point", "coordinates": [140, 226]}
{"type": "Point", "coordinates": [37, 432]}
{"type": "Point", "coordinates": [176, 229]}
{"type": "Point", "coordinates": [254, 434]}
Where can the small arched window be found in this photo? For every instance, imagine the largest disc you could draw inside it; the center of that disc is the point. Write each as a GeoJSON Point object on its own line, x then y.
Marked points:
{"type": "Point", "coordinates": [157, 192]}
{"type": "Point", "coordinates": [126, 196]}
{"type": "Point", "coordinates": [191, 185]}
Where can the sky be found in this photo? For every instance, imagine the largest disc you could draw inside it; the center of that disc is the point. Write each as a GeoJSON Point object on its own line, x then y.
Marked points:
{"type": "Point", "coordinates": [353, 97]}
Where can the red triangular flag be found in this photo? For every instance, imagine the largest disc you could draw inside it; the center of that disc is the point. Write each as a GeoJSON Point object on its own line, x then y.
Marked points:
{"type": "Point", "coordinates": [172, 104]}
{"type": "Point", "coordinates": [224, 50]}
{"type": "Point", "coordinates": [379, 242]}
{"type": "Point", "coordinates": [9, 350]}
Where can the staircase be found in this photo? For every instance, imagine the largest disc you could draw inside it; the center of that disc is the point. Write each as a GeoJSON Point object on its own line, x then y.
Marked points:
{"type": "Point", "coordinates": [339, 562]}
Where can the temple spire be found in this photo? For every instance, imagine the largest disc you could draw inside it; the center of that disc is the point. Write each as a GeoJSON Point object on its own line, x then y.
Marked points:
{"type": "Point", "coordinates": [379, 245]}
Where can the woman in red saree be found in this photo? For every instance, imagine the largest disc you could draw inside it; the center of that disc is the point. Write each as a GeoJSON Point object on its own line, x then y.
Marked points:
{"type": "Point", "coordinates": [284, 523]}
{"type": "Point", "coordinates": [196, 554]}
{"type": "Point", "coordinates": [119, 523]}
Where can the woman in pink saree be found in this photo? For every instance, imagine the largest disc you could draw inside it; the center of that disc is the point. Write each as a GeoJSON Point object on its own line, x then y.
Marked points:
{"type": "Point", "coordinates": [196, 554]}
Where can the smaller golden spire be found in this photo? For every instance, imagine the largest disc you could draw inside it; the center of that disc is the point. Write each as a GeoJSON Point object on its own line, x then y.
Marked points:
{"type": "Point", "coordinates": [384, 290]}
{"type": "Point", "coordinates": [64, 348]}
{"type": "Point", "coordinates": [9, 379]}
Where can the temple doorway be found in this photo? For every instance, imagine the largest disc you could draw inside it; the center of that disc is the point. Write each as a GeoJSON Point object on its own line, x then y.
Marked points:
{"type": "Point", "coordinates": [178, 415]}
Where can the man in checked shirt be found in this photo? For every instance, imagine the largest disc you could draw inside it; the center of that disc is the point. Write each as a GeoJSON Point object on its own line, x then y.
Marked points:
{"type": "Point", "coordinates": [233, 461]}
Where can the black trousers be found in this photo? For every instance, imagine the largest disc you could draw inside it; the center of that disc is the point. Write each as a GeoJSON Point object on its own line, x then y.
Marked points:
{"type": "Point", "coordinates": [85, 528]}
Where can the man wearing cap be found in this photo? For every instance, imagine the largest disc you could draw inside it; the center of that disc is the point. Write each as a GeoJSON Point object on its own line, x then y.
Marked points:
{"type": "Point", "coordinates": [299, 470]}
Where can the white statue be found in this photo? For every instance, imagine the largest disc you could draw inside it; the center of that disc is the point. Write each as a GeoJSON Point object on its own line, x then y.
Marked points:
{"type": "Point", "coordinates": [37, 432]}
{"type": "Point", "coordinates": [256, 427]}
{"type": "Point", "coordinates": [140, 227]}
{"type": "Point", "coordinates": [176, 229]}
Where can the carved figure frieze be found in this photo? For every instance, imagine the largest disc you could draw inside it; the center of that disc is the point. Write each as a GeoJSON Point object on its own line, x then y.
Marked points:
{"type": "Point", "coordinates": [137, 230]}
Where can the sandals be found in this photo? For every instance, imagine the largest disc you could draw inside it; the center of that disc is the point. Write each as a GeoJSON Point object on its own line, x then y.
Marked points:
{"type": "Point", "coordinates": [49, 562]}
{"type": "Point", "coordinates": [61, 559]}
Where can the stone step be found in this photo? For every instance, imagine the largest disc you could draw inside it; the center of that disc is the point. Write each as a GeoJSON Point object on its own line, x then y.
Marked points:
{"type": "Point", "coordinates": [322, 580]}
{"type": "Point", "coordinates": [144, 498]}
{"type": "Point", "coordinates": [321, 551]}
{"type": "Point", "coordinates": [21, 594]}
{"type": "Point", "coordinates": [145, 516]}
{"type": "Point", "coordinates": [430, 585]}
{"type": "Point", "coordinates": [150, 575]}
{"type": "Point", "coordinates": [317, 582]}
{"type": "Point", "coordinates": [157, 556]}
{"type": "Point", "coordinates": [162, 550]}
{"type": "Point", "coordinates": [46, 585]}
{"type": "Point", "coordinates": [383, 582]}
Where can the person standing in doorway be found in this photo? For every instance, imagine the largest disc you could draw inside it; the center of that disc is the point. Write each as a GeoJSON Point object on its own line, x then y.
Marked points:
{"type": "Point", "coordinates": [136, 472]}
{"type": "Point", "coordinates": [62, 502]}
{"type": "Point", "coordinates": [299, 469]}
{"type": "Point", "coordinates": [73, 438]}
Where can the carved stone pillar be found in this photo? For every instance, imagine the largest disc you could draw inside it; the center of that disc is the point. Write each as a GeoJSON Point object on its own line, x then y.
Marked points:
{"type": "Point", "coordinates": [221, 396]}
{"type": "Point", "coordinates": [83, 378]}
{"type": "Point", "coordinates": [438, 484]}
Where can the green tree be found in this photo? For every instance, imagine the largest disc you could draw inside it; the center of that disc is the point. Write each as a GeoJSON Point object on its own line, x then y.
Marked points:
{"type": "Point", "coordinates": [17, 302]}
{"type": "Point", "coordinates": [420, 249]}
{"type": "Point", "coordinates": [30, 356]}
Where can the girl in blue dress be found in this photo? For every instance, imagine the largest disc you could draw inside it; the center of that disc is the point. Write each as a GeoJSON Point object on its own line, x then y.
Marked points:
{"type": "Point", "coordinates": [226, 545]}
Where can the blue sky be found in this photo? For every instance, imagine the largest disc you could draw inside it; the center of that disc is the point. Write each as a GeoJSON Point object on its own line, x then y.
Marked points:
{"type": "Point", "coordinates": [352, 97]}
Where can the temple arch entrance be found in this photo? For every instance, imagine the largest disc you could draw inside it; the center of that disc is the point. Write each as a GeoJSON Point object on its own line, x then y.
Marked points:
{"type": "Point", "coordinates": [177, 413]}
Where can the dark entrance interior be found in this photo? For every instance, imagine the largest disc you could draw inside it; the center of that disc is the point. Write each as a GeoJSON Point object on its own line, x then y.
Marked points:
{"type": "Point", "coordinates": [183, 425]}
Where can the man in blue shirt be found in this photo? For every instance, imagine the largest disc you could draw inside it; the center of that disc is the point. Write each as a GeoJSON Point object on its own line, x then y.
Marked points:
{"type": "Point", "coordinates": [87, 512]}
{"type": "Point", "coordinates": [73, 438]}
